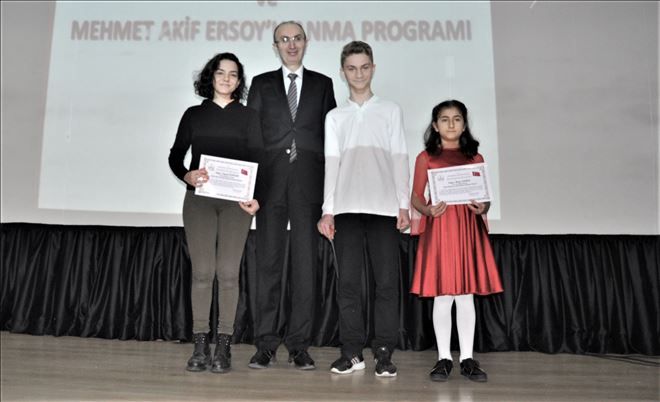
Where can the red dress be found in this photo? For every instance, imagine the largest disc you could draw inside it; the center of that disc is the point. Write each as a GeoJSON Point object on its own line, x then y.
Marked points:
{"type": "Point", "coordinates": [454, 256]}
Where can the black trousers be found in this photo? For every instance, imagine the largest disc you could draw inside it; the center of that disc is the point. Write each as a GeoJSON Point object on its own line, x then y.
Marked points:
{"type": "Point", "coordinates": [286, 202]}
{"type": "Point", "coordinates": [382, 241]}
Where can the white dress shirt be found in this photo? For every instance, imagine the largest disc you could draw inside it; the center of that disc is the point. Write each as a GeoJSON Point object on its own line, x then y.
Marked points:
{"type": "Point", "coordinates": [366, 159]}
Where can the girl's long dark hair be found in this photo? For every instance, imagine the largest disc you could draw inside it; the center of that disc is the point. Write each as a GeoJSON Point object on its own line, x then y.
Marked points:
{"type": "Point", "coordinates": [467, 143]}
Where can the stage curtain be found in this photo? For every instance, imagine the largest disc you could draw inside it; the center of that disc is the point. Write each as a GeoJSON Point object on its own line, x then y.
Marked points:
{"type": "Point", "coordinates": [562, 293]}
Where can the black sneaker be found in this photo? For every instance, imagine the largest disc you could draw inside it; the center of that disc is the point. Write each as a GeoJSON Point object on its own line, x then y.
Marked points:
{"type": "Point", "coordinates": [262, 359]}
{"type": "Point", "coordinates": [384, 365]}
{"type": "Point", "coordinates": [441, 370]}
{"type": "Point", "coordinates": [345, 365]}
{"type": "Point", "coordinates": [301, 359]}
{"type": "Point", "coordinates": [470, 369]}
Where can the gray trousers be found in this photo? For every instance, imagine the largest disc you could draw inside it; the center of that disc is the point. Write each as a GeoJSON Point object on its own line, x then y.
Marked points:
{"type": "Point", "coordinates": [216, 231]}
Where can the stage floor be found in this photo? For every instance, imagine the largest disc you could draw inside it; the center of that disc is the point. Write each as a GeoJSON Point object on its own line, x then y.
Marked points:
{"type": "Point", "coordinates": [70, 368]}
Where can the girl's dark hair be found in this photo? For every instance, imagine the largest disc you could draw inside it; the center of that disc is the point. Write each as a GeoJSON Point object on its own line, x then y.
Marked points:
{"type": "Point", "coordinates": [467, 143]}
{"type": "Point", "coordinates": [204, 82]}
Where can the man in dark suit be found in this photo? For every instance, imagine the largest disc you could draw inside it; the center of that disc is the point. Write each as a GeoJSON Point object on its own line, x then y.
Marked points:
{"type": "Point", "coordinates": [292, 102]}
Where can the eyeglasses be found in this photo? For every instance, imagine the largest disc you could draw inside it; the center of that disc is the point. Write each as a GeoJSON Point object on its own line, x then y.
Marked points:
{"type": "Point", "coordinates": [287, 39]}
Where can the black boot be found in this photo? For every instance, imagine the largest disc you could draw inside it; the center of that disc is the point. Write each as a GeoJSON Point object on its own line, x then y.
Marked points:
{"type": "Point", "coordinates": [222, 357]}
{"type": "Point", "coordinates": [201, 357]}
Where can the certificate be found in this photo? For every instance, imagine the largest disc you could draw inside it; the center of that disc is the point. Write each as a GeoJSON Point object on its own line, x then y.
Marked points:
{"type": "Point", "coordinates": [229, 179]}
{"type": "Point", "coordinates": [459, 184]}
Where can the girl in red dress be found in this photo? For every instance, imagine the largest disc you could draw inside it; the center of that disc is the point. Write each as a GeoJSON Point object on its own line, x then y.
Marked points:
{"type": "Point", "coordinates": [454, 257]}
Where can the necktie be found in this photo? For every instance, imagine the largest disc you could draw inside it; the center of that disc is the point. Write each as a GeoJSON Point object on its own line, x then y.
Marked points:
{"type": "Point", "coordinates": [292, 96]}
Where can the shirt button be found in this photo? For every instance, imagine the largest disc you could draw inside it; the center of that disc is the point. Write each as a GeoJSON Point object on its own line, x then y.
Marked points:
{"type": "Point", "coordinates": [288, 151]}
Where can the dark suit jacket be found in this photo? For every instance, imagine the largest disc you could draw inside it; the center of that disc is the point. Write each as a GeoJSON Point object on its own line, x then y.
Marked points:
{"type": "Point", "coordinates": [268, 97]}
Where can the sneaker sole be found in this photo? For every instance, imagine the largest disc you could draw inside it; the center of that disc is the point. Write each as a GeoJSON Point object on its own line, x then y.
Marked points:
{"type": "Point", "coordinates": [258, 366]}
{"type": "Point", "coordinates": [272, 361]}
{"type": "Point", "coordinates": [305, 368]}
{"type": "Point", "coordinates": [355, 367]}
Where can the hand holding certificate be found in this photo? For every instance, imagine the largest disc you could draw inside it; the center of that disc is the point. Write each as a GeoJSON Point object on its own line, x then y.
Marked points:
{"type": "Point", "coordinates": [459, 184]}
{"type": "Point", "coordinates": [229, 179]}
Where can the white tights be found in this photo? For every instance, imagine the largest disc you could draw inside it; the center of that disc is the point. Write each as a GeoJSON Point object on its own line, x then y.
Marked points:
{"type": "Point", "coordinates": [465, 322]}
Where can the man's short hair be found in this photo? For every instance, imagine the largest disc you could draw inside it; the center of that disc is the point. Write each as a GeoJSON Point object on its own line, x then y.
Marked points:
{"type": "Point", "coordinates": [286, 23]}
{"type": "Point", "coordinates": [356, 47]}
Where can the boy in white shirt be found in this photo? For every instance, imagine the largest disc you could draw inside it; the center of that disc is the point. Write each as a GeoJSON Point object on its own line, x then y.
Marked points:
{"type": "Point", "coordinates": [366, 196]}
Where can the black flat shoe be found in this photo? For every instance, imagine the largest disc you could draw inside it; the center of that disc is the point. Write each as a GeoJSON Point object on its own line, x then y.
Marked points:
{"type": "Point", "coordinates": [471, 370]}
{"type": "Point", "coordinates": [262, 359]}
{"type": "Point", "coordinates": [441, 370]}
{"type": "Point", "coordinates": [301, 359]}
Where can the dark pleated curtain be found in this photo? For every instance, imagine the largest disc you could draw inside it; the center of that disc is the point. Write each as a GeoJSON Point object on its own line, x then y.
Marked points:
{"type": "Point", "coordinates": [562, 293]}
{"type": "Point", "coordinates": [95, 281]}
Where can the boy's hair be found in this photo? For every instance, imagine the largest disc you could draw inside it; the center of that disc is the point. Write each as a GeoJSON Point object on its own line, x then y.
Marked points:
{"type": "Point", "coordinates": [356, 47]}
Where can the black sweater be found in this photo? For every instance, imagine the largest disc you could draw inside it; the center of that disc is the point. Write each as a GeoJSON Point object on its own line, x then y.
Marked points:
{"type": "Point", "coordinates": [231, 132]}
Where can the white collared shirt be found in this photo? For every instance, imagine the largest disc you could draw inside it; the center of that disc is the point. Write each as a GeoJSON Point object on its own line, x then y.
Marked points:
{"type": "Point", "coordinates": [287, 81]}
{"type": "Point", "coordinates": [366, 159]}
